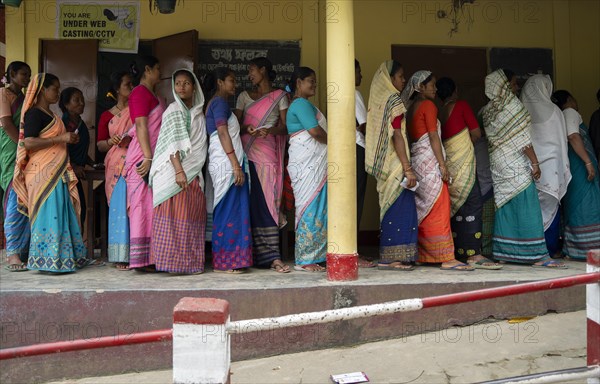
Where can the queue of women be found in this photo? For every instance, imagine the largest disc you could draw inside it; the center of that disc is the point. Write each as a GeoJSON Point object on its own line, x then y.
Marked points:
{"type": "Point", "coordinates": [455, 190]}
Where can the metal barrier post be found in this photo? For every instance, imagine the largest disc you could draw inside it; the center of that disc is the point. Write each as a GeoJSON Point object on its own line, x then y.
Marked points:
{"type": "Point", "coordinates": [201, 344]}
{"type": "Point", "coordinates": [593, 314]}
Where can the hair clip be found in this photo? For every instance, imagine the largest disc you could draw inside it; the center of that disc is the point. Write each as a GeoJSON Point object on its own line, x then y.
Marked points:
{"type": "Point", "coordinates": [110, 95]}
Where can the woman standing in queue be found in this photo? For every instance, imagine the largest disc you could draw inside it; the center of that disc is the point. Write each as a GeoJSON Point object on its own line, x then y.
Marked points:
{"type": "Point", "coordinates": [435, 242]}
{"type": "Point", "coordinates": [50, 202]}
{"type": "Point", "coordinates": [262, 114]}
{"type": "Point", "coordinates": [232, 231]}
{"type": "Point", "coordinates": [388, 160]}
{"type": "Point", "coordinates": [308, 172]}
{"type": "Point", "coordinates": [179, 223]}
{"type": "Point", "coordinates": [145, 110]}
{"type": "Point", "coordinates": [15, 225]}
{"type": "Point", "coordinates": [113, 139]}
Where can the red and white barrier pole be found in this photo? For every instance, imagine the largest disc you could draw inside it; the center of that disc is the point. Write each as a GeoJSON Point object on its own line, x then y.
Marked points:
{"type": "Point", "coordinates": [201, 346]}
{"type": "Point", "coordinates": [593, 314]}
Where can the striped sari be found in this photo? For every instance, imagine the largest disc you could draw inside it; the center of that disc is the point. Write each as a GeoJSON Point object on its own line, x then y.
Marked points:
{"type": "Point", "coordinates": [116, 191]}
{"type": "Point", "coordinates": [435, 243]}
{"type": "Point", "coordinates": [518, 228]}
{"type": "Point", "coordinates": [51, 203]}
{"type": "Point", "coordinates": [398, 212]}
{"type": "Point", "coordinates": [265, 157]}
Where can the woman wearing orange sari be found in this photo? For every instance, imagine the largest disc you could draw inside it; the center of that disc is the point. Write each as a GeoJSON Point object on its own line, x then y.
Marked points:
{"type": "Point", "coordinates": [45, 183]}
{"type": "Point", "coordinates": [434, 239]}
{"type": "Point", "coordinates": [113, 138]}
{"type": "Point", "coordinates": [262, 115]}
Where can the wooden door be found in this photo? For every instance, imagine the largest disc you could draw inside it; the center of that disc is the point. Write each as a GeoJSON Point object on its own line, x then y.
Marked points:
{"type": "Point", "coordinates": [466, 66]}
{"type": "Point", "coordinates": [174, 52]}
{"type": "Point", "coordinates": [74, 63]}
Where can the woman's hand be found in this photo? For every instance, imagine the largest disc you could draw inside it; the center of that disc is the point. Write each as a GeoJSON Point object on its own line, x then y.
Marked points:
{"type": "Point", "coordinates": [264, 132]}
{"type": "Point", "coordinates": [79, 171]}
{"type": "Point", "coordinates": [69, 138]}
{"type": "Point", "coordinates": [590, 171]}
{"type": "Point", "coordinates": [536, 172]}
{"type": "Point", "coordinates": [144, 168]}
{"type": "Point", "coordinates": [252, 130]}
{"type": "Point", "coordinates": [115, 140]}
{"type": "Point", "coordinates": [444, 172]}
{"type": "Point", "coordinates": [238, 176]}
{"type": "Point", "coordinates": [181, 179]}
{"type": "Point", "coordinates": [411, 178]}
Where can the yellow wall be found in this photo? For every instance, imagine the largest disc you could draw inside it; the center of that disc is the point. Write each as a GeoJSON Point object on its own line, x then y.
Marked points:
{"type": "Point", "coordinates": [569, 27]}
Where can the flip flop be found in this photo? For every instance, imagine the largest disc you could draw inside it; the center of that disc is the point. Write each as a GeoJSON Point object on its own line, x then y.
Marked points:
{"type": "Point", "coordinates": [480, 264]}
{"type": "Point", "coordinates": [16, 267]}
{"type": "Point", "coordinates": [94, 263]}
{"type": "Point", "coordinates": [230, 271]}
{"type": "Point", "coordinates": [551, 264]}
{"type": "Point", "coordinates": [302, 268]}
{"type": "Point", "coordinates": [122, 267]}
{"type": "Point", "coordinates": [280, 268]}
{"type": "Point", "coordinates": [458, 268]}
{"type": "Point", "coordinates": [389, 267]}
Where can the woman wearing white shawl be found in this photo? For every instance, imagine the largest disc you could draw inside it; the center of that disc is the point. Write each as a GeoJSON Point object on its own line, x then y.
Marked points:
{"type": "Point", "coordinates": [549, 138]}
{"type": "Point", "coordinates": [178, 226]}
{"type": "Point", "coordinates": [388, 160]}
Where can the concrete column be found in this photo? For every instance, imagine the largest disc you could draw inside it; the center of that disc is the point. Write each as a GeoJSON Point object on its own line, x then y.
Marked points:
{"type": "Point", "coordinates": [201, 345]}
{"type": "Point", "coordinates": [342, 257]}
{"type": "Point", "coordinates": [593, 314]}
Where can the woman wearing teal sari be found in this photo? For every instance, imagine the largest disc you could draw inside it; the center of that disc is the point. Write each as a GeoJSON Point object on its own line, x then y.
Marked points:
{"type": "Point", "coordinates": [16, 225]}
{"type": "Point", "coordinates": [51, 202]}
{"type": "Point", "coordinates": [581, 204]}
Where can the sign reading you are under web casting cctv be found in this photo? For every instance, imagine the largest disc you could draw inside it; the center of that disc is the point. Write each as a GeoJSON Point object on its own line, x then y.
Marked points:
{"type": "Point", "coordinates": [114, 23]}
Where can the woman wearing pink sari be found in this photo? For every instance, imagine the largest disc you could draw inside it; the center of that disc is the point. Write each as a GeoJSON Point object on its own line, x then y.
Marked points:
{"type": "Point", "coordinates": [113, 139]}
{"type": "Point", "coordinates": [262, 113]}
{"type": "Point", "coordinates": [145, 110]}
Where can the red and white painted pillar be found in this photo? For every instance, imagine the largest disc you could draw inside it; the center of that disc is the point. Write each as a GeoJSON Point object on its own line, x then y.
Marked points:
{"type": "Point", "coordinates": [201, 344]}
{"type": "Point", "coordinates": [342, 255]}
{"type": "Point", "coordinates": [593, 313]}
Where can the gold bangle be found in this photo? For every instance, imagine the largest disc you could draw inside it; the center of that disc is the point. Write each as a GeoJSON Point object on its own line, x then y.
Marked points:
{"type": "Point", "coordinates": [586, 164]}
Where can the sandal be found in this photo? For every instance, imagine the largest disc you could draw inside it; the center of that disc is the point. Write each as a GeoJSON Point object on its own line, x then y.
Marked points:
{"type": "Point", "coordinates": [16, 267]}
{"type": "Point", "coordinates": [552, 264]}
{"type": "Point", "coordinates": [309, 268]}
{"type": "Point", "coordinates": [459, 267]}
{"type": "Point", "coordinates": [280, 267]}
{"type": "Point", "coordinates": [231, 271]}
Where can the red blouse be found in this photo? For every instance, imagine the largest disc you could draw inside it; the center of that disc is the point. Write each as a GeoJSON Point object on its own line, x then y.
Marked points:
{"type": "Point", "coordinates": [424, 120]}
{"type": "Point", "coordinates": [461, 116]}
{"type": "Point", "coordinates": [103, 133]}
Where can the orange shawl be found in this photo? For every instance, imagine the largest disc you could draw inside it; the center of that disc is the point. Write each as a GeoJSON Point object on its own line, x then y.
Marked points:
{"type": "Point", "coordinates": [37, 173]}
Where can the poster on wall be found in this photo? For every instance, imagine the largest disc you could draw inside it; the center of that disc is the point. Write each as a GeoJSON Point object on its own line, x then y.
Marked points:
{"type": "Point", "coordinates": [114, 23]}
{"type": "Point", "coordinates": [285, 56]}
